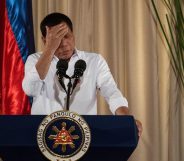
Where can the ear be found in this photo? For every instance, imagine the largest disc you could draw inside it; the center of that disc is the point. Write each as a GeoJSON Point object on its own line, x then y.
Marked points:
{"type": "Point", "coordinates": [44, 39]}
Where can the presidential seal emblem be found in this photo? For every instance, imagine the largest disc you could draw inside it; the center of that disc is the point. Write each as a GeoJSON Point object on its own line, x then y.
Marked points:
{"type": "Point", "coordinates": [63, 136]}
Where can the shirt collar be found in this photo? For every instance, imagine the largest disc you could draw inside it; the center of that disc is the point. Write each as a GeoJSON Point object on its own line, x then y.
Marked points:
{"type": "Point", "coordinates": [76, 54]}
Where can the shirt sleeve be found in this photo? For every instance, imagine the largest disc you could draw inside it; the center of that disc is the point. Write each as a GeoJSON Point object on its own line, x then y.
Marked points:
{"type": "Point", "coordinates": [108, 88]}
{"type": "Point", "coordinates": [32, 84]}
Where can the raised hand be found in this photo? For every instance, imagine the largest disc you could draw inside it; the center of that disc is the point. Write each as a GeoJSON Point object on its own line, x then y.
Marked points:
{"type": "Point", "coordinates": [54, 36]}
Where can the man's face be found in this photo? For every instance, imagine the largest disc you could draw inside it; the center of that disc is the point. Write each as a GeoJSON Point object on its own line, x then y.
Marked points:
{"type": "Point", "coordinates": [66, 47]}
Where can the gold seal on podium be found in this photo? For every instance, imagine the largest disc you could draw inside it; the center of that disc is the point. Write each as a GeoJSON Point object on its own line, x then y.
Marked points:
{"type": "Point", "coordinates": [63, 136]}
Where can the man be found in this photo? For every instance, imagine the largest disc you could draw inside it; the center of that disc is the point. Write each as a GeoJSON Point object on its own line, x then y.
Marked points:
{"type": "Point", "coordinates": [42, 84]}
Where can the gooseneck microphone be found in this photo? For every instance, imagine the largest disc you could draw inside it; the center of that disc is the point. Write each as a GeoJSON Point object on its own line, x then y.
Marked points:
{"type": "Point", "coordinates": [61, 67]}
{"type": "Point", "coordinates": [79, 68]}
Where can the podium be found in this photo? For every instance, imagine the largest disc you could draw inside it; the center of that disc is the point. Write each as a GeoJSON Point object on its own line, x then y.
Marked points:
{"type": "Point", "coordinates": [113, 138]}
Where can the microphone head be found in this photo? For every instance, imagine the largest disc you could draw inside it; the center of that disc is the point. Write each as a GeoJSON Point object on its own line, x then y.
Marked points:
{"type": "Point", "coordinates": [62, 66]}
{"type": "Point", "coordinates": [80, 64]}
{"type": "Point", "coordinates": [80, 67]}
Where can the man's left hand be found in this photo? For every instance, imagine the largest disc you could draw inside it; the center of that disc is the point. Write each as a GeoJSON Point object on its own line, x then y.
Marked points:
{"type": "Point", "coordinates": [125, 111]}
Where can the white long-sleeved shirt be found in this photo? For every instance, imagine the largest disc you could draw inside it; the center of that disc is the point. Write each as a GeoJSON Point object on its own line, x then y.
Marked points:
{"type": "Point", "coordinates": [48, 95]}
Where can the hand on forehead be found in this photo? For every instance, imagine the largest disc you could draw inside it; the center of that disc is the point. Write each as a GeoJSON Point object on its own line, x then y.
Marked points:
{"type": "Point", "coordinates": [61, 25]}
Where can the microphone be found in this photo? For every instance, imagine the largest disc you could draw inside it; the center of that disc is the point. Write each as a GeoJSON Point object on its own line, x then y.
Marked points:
{"type": "Point", "coordinates": [79, 68]}
{"type": "Point", "coordinates": [62, 66]}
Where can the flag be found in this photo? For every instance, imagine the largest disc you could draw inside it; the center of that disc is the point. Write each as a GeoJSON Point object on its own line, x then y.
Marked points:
{"type": "Point", "coordinates": [16, 43]}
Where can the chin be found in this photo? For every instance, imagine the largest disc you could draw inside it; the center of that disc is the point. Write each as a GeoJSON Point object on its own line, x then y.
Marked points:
{"type": "Point", "coordinates": [65, 57]}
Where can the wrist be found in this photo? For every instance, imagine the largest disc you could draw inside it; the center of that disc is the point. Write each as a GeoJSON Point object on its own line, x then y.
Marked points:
{"type": "Point", "coordinates": [49, 52]}
{"type": "Point", "coordinates": [122, 111]}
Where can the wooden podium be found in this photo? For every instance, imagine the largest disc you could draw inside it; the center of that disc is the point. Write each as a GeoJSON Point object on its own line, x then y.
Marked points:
{"type": "Point", "coordinates": [114, 138]}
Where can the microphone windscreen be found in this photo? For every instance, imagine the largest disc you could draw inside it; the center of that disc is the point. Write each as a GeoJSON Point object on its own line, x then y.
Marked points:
{"type": "Point", "coordinates": [62, 65]}
{"type": "Point", "coordinates": [80, 64]}
{"type": "Point", "coordinates": [80, 67]}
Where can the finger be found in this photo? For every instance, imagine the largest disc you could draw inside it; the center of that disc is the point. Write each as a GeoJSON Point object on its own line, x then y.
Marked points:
{"type": "Point", "coordinates": [47, 29]}
{"type": "Point", "coordinates": [59, 32]}
{"type": "Point", "coordinates": [62, 30]}
{"type": "Point", "coordinates": [139, 126]}
{"type": "Point", "coordinates": [59, 25]}
{"type": "Point", "coordinates": [62, 33]}
{"type": "Point", "coordinates": [57, 28]}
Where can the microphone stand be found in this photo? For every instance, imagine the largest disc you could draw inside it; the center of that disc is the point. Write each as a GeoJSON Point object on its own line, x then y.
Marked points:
{"type": "Point", "coordinates": [80, 67]}
{"type": "Point", "coordinates": [68, 94]}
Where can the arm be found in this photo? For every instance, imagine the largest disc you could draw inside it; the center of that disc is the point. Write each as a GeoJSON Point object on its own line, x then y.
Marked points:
{"type": "Point", "coordinates": [37, 66]}
{"type": "Point", "coordinates": [108, 88]}
{"type": "Point", "coordinates": [122, 111]}
{"type": "Point", "coordinates": [118, 104]}
{"type": "Point", "coordinates": [52, 42]}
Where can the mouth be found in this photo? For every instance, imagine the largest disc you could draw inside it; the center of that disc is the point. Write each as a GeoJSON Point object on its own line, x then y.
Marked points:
{"type": "Point", "coordinates": [64, 54]}
{"type": "Point", "coordinates": [66, 51]}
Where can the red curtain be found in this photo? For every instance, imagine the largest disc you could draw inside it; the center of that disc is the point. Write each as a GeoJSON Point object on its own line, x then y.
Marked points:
{"type": "Point", "coordinates": [13, 54]}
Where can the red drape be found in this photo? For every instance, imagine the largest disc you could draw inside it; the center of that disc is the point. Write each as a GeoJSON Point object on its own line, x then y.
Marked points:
{"type": "Point", "coordinates": [13, 99]}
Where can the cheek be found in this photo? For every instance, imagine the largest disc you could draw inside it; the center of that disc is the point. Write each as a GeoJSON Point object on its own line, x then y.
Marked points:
{"type": "Point", "coordinates": [72, 45]}
{"type": "Point", "coordinates": [72, 41]}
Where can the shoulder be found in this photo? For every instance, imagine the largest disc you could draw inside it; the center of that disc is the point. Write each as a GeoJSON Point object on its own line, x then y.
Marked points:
{"type": "Point", "coordinates": [35, 55]}
{"type": "Point", "coordinates": [33, 58]}
{"type": "Point", "coordinates": [94, 61]}
{"type": "Point", "coordinates": [90, 56]}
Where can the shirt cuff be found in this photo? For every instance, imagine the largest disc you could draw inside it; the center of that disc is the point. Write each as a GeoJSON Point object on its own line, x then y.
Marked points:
{"type": "Point", "coordinates": [115, 103]}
